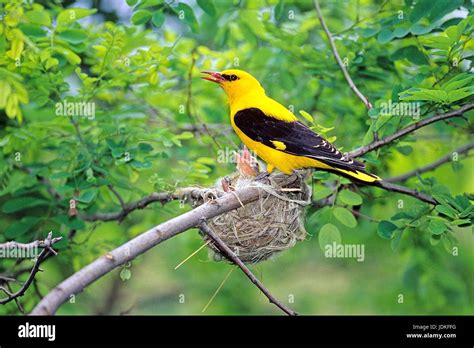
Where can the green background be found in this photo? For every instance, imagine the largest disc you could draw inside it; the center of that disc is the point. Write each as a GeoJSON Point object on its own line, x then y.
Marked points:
{"type": "Point", "coordinates": [139, 62]}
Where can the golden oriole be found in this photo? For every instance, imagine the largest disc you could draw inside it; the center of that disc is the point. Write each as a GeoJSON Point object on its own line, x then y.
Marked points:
{"type": "Point", "coordinates": [275, 134]}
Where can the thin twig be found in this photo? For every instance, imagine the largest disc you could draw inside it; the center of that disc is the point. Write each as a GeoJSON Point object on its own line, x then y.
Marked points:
{"type": "Point", "coordinates": [343, 68]}
{"type": "Point", "coordinates": [47, 249]}
{"type": "Point", "coordinates": [17, 301]}
{"type": "Point", "coordinates": [432, 166]}
{"type": "Point", "coordinates": [406, 191]}
{"type": "Point", "coordinates": [194, 118]}
{"type": "Point", "coordinates": [229, 254]}
{"type": "Point", "coordinates": [162, 197]}
{"type": "Point", "coordinates": [361, 20]}
{"type": "Point", "coordinates": [363, 216]}
{"type": "Point", "coordinates": [409, 129]}
{"type": "Point", "coordinates": [190, 87]}
{"type": "Point", "coordinates": [116, 194]}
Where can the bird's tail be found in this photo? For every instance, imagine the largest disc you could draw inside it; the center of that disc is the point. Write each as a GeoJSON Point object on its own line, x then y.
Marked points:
{"type": "Point", "coordinates": [360, 175]}
{"type": "Point", "coordinates": [352, 169]}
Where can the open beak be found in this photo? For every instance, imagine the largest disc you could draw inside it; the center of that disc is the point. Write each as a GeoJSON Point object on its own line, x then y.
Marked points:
{"type": "Point", "coordinates": [213, 76]}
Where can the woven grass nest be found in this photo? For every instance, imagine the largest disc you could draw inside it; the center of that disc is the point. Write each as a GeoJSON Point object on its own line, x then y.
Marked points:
{"type": "Point", "coordinates": [269, 225]}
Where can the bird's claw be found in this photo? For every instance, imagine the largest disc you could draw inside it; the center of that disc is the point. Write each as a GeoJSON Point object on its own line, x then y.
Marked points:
{"type": "Point", "coordinates": [262, 176]}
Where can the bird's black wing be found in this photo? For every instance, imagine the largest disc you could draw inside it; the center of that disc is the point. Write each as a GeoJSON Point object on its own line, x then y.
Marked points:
{"type": "Point", "coordinates": [297, 138]}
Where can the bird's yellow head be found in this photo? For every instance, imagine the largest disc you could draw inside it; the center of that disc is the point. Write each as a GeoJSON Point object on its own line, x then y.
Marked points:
{"type": "Point", "coordinates": [235, 83]}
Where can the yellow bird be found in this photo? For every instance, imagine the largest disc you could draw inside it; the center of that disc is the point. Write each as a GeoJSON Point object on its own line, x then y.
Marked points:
{"type": "Point", "coordinates": [275, 134]}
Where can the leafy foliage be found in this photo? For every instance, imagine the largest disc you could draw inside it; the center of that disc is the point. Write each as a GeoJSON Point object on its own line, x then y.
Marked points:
{"type": "Point", "coordinates": [136, 75]}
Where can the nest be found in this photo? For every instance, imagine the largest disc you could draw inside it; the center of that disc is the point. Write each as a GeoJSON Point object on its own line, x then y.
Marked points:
{"type": "Point", "coordinates": [273, 223]}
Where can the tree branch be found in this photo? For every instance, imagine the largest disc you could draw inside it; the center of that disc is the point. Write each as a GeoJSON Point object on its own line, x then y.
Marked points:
{"type": "Point", "coordinates": [145, 241]}
{"type": "Point", "coordinates": [432, 166]}
{"type": "Point", "coordinates": [343, 68]}
{"type": "Point", "coordinates": [231, 256]}
{"type": "Point", "coordinates": [406, 191]}
{"type": "Point", "coordinates": [409, 129]}
{"type": "Point", "coordinates": [47, 249]}
{"type": "Point", "coordinates": [162, 197]}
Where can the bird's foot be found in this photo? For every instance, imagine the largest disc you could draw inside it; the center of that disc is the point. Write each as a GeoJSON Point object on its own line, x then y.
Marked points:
{"type": "Point", "coordinates": [263, 176]}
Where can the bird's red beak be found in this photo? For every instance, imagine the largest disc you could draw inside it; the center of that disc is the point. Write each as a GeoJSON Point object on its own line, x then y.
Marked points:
{"type": "Point", "coordinates": [213, 76]}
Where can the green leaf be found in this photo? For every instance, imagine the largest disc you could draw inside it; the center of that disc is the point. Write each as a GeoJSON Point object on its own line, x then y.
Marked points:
{"type": "Point", "coordinates": [60, 175]}
{"type": "Point", "coordinates": [279, 8]}
{"type": "Point", "coordinates": [40, 17]}
{"type": "Point", "coordinates": [185, 135]}
{"type": "Point", "coordinates": [411, 53]}
{"type": "Point", "coordinates": [74, 36]}
{"type": "Point", "coordinates": [87, 196]}
{"type": "Point", "coordinates": [461, 222]}
{"type": "Point", "coordinates": [209, 161]}
{"type": "Point", "coordinates": [140, 165]}
{"type": "Point", "coordinates": [441, 8]}
{"type": "Point", "coordinates": [435, 239]}
{"type": "Point", "coordinates": [253, 22]}
{"type": "Point", "coordinates": [369, 32]}
{"type": "Point", "coordinates": [141, 17]}
{"type": "Point", "coordinates": [345, 217]}
{"type": "Point", "coordinates": [322, 193]}
{"type": "Point", "coordinates": [458, 81]}
{"type": "Point", "coordinates": [328, 235]}
{"type": "Point", "coordinates": [32, 30]}
{"type": "Point", "coordinates": [422, 7]}
{"type": "Point", "coordinates": [70, 56]}
{"type": "Point", "coordinates": [374, 112]}
{"type": "Point", "coordinates": [70, 15]}
{"type": "Point", "coordinates": [460, 94]}
{"type": "Point", "coordinates": [400, 32]}
{"type": "Point", "coordinates": [418, 29]}
{"type": "Point", "coordinates": [207, 6]}
{"type": "Point", "coordinates": [131, 3]}
{"type": "Point", "coordinates": [306, 116]}
{"type": "Point", "coordinates": [186, 14]}
{"type": "Point", "coordinates": [125, 274]}
{"type": "Point", "coordinates": [20, 227]}
{"type": "Point", "coordinates": [18, 204]}
{"type": "Point", "coordinates": [421, 94]}
{"type": "Point", "coordinates": [349, 197]}
{"type": "Point", "coordinates": [320, 175]}
{"type": "Point", "coordinates": [405, 149]}
{"type": "Point", "coordinates": [144, 147]}
{"type": "Point", "coordinates": [396, 238]}
{"type": "Point", "coordinates": [386, 229]}
{"type": "Point", "coordinates": [117, 152]}
{"type": "Point", "coordinates": [385, 36]}
{"type": "Point", "coordinates": [158, 18]}
{"type": "Point", "coordinates": [400, 216]}
{"type": "Point", "coordinates": [50, 63]}
{"type": "Point", "coordinates": [437, 227]}
{"type": "Point", "coordinates": [445, 210]}
{"type": "Point", "coordinates": [440, 41]}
